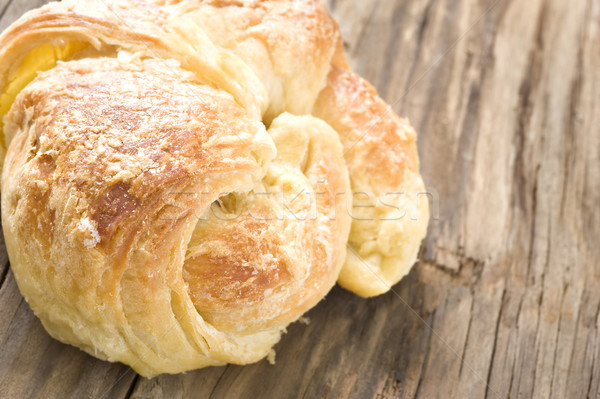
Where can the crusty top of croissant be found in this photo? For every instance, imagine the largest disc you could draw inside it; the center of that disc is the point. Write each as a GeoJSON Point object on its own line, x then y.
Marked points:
{"type": "Point", "coordinates": [183, 179]}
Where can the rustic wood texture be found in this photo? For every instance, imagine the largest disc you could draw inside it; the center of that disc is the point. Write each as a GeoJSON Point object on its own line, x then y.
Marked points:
{"type": "Point", "coordinates": [505, 95]}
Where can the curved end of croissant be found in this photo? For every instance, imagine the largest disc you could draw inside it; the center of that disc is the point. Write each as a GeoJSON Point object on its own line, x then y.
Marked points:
{"type": "Point", "coordinates": [390, 209]}
{"type": "Point", "coordinates": [374, 267]}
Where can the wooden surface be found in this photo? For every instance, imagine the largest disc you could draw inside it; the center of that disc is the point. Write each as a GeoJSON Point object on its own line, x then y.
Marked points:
{"type": "Point", "coordinates": [505, 303]}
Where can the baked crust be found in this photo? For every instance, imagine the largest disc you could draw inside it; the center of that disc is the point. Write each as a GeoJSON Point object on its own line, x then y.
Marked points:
{"type": "Point", "coordinates": [181, 177]}
{"type": "Point", "coordinates": [390, 208]}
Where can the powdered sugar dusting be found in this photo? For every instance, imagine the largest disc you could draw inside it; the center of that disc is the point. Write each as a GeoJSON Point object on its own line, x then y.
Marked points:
{"type": "Point", "coordinates": [85, 225]}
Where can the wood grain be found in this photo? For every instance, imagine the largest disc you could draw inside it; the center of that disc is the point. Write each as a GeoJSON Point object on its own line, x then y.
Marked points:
{"type": "Point", "coordinates": [505, 302]}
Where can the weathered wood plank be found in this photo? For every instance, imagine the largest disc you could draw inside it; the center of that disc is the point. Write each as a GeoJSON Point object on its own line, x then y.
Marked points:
{"type": "Point", "coordinates": [10, 10]}
{"type": "Point", "coordinates": [505, 95]}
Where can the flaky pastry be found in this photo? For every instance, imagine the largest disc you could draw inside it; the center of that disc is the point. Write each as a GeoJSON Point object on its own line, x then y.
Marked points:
{"type": "Point", "coordinates": [183, 179]}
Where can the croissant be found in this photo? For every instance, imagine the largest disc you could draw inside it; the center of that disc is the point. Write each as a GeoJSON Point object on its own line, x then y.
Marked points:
{"type": "Point", "coordinates": [183, 179]}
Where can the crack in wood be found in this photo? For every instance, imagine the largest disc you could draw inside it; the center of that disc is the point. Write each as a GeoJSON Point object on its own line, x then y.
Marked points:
{"type": "Point", "coordinates": [515, 359]}
{"type": "Point", "coordinates": [492, 357]}
{"type": "Point", "coordinates": [212, 392]}
{"type": "Point", "coordinates": [426, 359]}
{"type": "Point", "coordinates": [464, 349]}
{"type": "Point", "coordinates": [596, 352]}
{"type": "Point", "coordinates": [132, 386]}
{"type": "Point", "coordinates": [4, 274]}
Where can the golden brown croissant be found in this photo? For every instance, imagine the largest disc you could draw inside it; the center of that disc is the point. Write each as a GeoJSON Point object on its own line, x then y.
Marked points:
{"type": "Point", "coordinates": [182, 179]}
